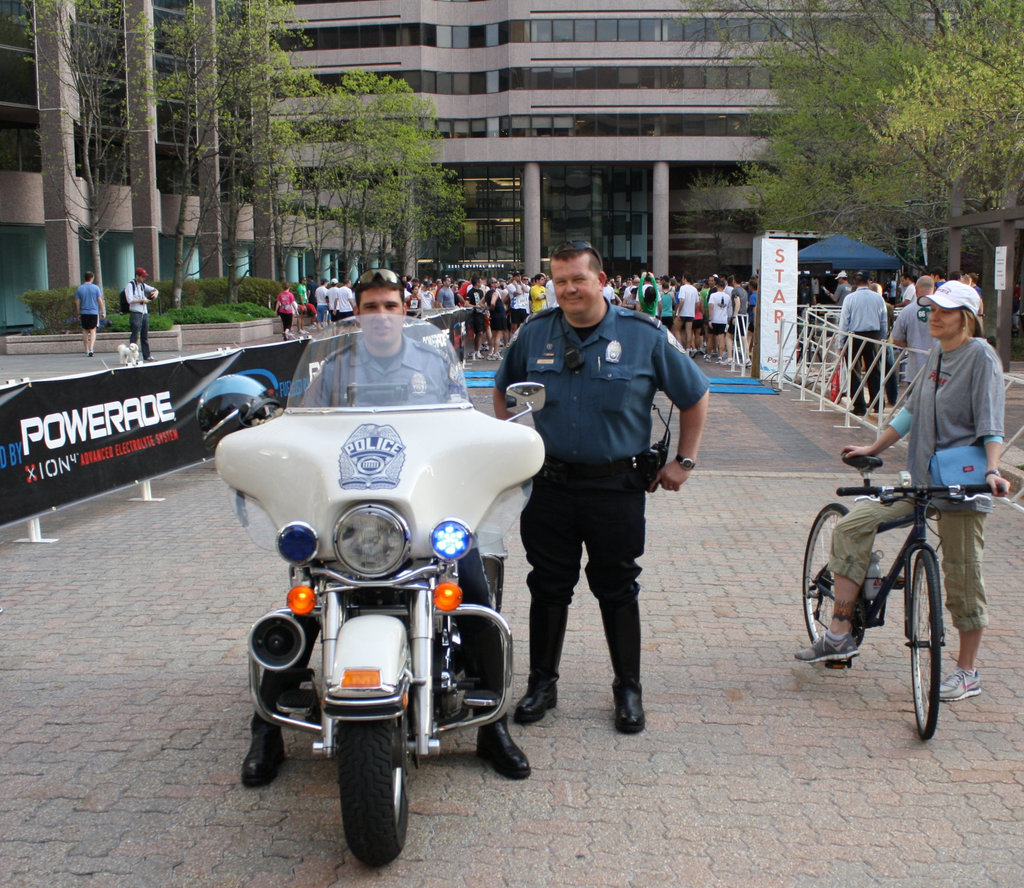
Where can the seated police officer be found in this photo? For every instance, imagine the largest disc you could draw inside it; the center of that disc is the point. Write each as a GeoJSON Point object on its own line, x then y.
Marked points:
{"type": "Point", "coordinates": [384, 367]}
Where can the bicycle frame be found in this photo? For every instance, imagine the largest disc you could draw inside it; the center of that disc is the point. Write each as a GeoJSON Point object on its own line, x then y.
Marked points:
{"type": "Point", "coordinates": [874, 610]}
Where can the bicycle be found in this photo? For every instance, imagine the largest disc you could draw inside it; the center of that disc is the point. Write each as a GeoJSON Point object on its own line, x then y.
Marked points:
{"type": "Point", "coordinates": [916, 561]}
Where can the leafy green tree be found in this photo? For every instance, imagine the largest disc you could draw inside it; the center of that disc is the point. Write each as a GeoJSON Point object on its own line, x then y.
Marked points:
{"type": "Point", "coordinates": [188, 96]}
{"type": "Point", "coordinates": [370, 176]}
{"type": "Point", "coordinates": [883, 111]}
{"type": "Point", "coordinates": [254, 80]}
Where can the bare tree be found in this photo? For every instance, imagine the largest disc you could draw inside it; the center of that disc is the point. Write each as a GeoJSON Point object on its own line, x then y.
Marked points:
{"type": "Point", "coordinates": [83, 52]}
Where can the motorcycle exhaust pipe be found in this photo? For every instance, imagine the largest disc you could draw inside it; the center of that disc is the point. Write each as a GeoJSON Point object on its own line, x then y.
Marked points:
{"type": "Point", "coordinates": [276, 640]}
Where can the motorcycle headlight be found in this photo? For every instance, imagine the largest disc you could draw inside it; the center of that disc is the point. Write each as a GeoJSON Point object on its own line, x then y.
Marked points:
{"type": "Point", "coordinates": [450, 540]}
{"type": "Point", "coordinates": [371, 541]}
{"type": "Point", "coordinates": [297, 542]}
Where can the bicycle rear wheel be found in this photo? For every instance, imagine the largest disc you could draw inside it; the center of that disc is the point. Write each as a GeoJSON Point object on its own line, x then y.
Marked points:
{"type": "Point", "coordinates": [925, 638]}
{"type": "Point", "coordinates": [818, 596]}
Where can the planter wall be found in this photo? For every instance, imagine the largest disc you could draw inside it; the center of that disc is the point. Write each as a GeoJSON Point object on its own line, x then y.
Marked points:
{"type": "Point", "coordinates": [176, 339]}
{"type": "Point", "coordinates": [71, 343]}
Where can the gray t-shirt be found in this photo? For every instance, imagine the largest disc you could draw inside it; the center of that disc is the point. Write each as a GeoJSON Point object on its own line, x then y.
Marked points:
{"type": "Point", "coordinates": [910, 329]}
{"type": "Point", "coordinates": [968, 406]}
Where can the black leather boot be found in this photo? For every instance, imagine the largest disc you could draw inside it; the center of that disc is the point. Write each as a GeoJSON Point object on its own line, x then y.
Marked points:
{"type": "Point", "coordinates": [547, 632]}
{"type": "Point", "coordinates": [495, 744]}
{"type": "Point", "coordinates": [266, 752]}
{"type": "Point", "coordinates": [622, 630]}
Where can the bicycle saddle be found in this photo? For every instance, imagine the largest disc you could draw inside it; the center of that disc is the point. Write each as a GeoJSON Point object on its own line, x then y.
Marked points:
{"type": "Point", "coordinates": [863, 463]}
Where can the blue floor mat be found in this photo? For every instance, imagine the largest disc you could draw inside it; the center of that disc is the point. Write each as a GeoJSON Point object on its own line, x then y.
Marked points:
{"type": "Point", "coordinates": [479, 379]}
{"type": "Point", "coordinates": [739, 385]}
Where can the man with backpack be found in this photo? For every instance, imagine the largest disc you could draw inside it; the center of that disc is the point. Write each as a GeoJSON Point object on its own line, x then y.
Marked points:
{"type": "Point", "coordinates": [135, 299]}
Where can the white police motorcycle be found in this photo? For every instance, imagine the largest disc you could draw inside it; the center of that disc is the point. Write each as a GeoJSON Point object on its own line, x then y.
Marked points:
{"type": "Point", "coordinates": [380, 485]}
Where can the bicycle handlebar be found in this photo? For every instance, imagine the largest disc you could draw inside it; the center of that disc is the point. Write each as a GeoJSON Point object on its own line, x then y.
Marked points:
{"type": "Point", "coordinates": [953, 491]}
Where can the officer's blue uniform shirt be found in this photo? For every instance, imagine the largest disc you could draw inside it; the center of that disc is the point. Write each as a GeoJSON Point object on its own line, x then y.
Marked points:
{"type": "Point", "coordinates": [601, 411]}
{"type": "Point", "coordinates": [417, 375]}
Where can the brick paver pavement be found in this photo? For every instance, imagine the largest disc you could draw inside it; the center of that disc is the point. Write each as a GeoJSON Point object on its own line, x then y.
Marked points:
{"type": "Point", "coordinates": [125, 711]}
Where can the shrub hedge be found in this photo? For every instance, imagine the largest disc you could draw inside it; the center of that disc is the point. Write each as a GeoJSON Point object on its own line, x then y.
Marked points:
{"type": "Point", "coordinates": [203, 301]}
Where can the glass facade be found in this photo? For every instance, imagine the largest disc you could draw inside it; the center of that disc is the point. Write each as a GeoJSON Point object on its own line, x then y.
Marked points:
{"type": "Point", "coordinates": [492, 234]}
{"type": "Point", "coordinates": [605, 204]}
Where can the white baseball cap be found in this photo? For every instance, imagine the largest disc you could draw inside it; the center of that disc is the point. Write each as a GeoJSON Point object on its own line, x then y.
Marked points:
{"type": "Point", "coordinates": [954, 294]}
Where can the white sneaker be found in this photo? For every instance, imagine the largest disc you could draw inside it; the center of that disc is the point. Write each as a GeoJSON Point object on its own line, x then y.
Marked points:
{"type": "Point", "coordinates": [960, 685]}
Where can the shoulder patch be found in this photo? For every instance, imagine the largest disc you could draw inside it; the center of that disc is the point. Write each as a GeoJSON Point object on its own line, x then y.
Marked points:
{"type": "Point", "coordinates": [636, 315]}
{"type": "Point", "coordinates": [544, 312]}
{"type": "Point", "coordinates": [675, 342]}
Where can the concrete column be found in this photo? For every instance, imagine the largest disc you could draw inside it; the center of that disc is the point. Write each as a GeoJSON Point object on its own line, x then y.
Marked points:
{"type": "Point", "coordinates": [146, 210]}
{"type": "Point", "coordinates": [531, 218]}
{"type": "Point", "coordinates": [659, 218]}
{"type": "Point", "coordinates": [58, 106]}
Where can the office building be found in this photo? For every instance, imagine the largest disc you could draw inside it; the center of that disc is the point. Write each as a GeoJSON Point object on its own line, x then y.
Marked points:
{"type": "Point", "coordinates": [563, 122]}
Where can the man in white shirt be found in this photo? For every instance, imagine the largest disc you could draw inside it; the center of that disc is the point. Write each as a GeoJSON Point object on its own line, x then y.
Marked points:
{"type": "Point", "coordinates": [686, 310]}
{"type": "Point", "coordinates": [345, 300]}
{"type": "Point", "coordinates": [718, 311]}
{"type": "Point", "coordinates": [909, 293]}
{"type": "Point", "coordinates": [323, 304]}
{"type": "Point", "coordinates": [549, 289]}
{"type": "Point", "coordinates": [139, 295]}
{"type": "Point", "coordinates": [518, 302]}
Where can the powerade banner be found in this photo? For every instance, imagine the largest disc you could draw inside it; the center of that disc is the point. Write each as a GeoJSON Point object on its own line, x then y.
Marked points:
{"type": "Point", "coordinates": [67, 440]}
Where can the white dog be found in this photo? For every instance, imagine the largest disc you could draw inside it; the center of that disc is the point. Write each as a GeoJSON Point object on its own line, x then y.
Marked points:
{"type": "Point", "coordinates": [129, 353]}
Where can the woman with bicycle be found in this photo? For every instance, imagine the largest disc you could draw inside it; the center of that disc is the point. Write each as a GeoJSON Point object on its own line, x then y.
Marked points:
{"type": "Point", "coordinates": [958, 401]}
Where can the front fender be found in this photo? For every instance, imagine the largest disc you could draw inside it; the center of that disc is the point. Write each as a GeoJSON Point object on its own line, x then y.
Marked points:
{"type": "Point", "coordinates": [369, 678]}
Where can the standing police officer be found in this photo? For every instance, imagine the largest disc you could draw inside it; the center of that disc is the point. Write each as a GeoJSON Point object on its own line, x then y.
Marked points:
{"type": "Point", "coordinates": [601, 366]}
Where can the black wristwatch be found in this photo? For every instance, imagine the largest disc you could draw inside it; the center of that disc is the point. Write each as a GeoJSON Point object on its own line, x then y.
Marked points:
{"type": "Point", "coordinates": [686, 462]}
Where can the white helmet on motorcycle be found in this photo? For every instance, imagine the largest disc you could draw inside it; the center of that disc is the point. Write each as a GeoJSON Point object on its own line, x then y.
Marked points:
{"type": "Point", "coordinates": [231, 403]}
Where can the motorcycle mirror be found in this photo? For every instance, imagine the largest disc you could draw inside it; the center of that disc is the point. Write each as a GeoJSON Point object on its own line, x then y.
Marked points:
{"type": "Point", "coordinates": [529, 396]}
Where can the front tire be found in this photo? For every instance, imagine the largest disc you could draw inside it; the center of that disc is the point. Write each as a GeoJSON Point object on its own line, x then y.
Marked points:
{"type": "Point", "coordinates": [817, 590]}
{"type": "Point", "coordinates": [373, 767]}
{"type": "Point", "coordinates": [925, 639]}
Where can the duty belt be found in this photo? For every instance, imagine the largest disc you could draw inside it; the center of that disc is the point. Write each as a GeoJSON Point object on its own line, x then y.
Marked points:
{"type": "Point", "coordinates": [560, 472]}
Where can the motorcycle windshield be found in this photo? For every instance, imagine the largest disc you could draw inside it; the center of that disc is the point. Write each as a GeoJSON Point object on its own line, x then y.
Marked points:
{"type": "Point", "coordinates": [379, 361]}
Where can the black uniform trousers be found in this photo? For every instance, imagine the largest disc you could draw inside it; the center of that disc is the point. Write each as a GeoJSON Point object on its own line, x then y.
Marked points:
{"type": "Point", "coordinates": [866, 351]}
{"type": "Point", "coordinates": [606, 516]}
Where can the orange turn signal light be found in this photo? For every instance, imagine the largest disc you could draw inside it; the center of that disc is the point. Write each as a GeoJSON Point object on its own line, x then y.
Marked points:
{"type": "Point", "coordinates": [361, 678]}
{"type": "Point", "coordinates": [447, 596]}
{"type": "Point", "coordinates": [301, 600]}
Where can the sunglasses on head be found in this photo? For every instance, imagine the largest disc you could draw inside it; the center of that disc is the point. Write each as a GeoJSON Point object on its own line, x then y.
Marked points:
{"type": "Point", "coordinates": [378, 275]}
{"type": "Point", "coordinates": [576, 246]}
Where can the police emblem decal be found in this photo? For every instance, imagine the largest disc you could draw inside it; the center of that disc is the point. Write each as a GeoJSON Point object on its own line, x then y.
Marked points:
{"type": "Point", "coordinates": [371, 458]}
{"type": "Point", "coordinates": [613, 353]}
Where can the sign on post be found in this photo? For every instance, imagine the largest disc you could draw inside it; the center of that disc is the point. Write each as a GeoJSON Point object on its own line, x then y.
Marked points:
{"type": "Point", "coordinates": [999, 279]}
{"type": "Point", "coordinates": [777, 303]}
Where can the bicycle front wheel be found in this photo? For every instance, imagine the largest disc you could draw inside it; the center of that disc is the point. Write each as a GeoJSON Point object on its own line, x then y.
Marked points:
{"type": "Point", "coordinates": [925, 638]}
{"type": "Point", "coordinates": [818, 595]}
